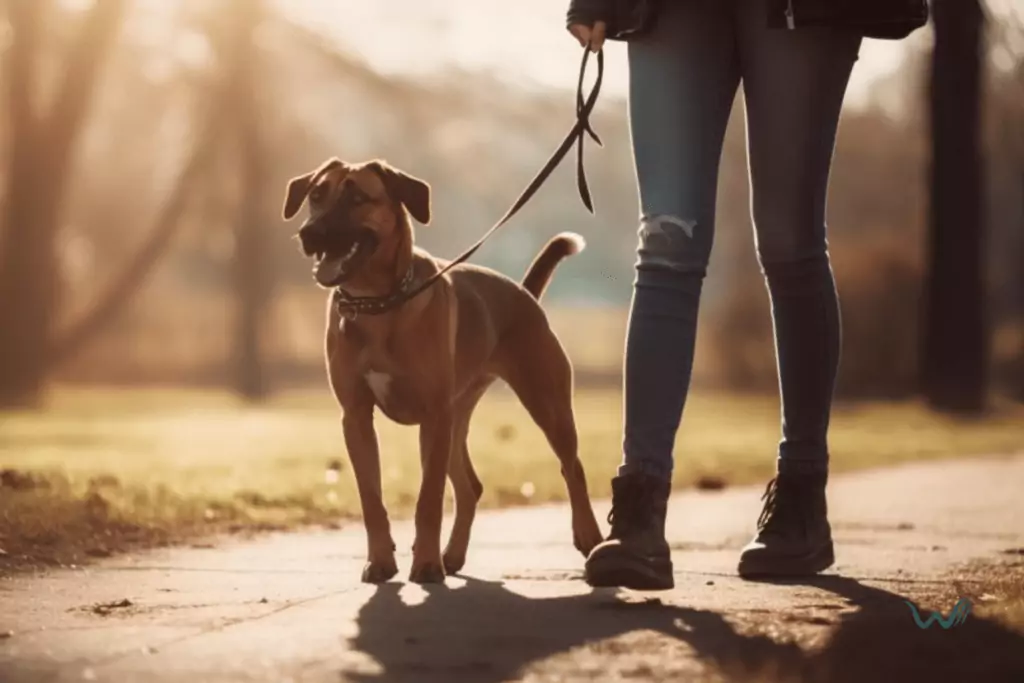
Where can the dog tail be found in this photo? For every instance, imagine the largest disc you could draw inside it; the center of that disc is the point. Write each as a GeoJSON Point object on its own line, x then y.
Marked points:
{"type": "Point", "coordinates": [559, 248]}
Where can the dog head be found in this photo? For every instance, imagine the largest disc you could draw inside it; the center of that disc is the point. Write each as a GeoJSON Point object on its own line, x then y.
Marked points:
{"type": "Point", "coordinates": [358, 222]}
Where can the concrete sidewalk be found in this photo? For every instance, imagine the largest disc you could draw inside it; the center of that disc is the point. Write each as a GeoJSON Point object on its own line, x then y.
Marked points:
{"type": "Point", "coordinates": [290, 608]}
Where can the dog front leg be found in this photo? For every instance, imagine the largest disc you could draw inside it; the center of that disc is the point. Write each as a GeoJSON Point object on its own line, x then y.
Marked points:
{"type": "Point", "coordinates": [435, 451]}
{"type": "Point", "coordinates": [363, 451]}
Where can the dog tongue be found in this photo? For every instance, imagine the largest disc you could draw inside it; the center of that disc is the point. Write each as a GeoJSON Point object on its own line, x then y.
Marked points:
{"type": "Point", "coordinates": [329, 270]}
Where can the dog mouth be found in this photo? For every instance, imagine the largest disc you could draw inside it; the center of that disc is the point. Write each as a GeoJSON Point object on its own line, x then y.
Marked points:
{"type": "Point", "coordinates": [336, 263]}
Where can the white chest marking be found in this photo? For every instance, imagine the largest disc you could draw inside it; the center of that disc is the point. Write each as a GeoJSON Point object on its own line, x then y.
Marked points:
{"type": "Point", "coordinates": [379, 383]}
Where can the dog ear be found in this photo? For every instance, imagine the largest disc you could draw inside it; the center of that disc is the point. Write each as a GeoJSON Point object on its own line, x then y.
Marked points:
{"type": "Point", "coordinates": [296, 193]}
{"type": "Point", "coordinates": [413, 192]}
{"type": "Point", "coordinates": [298, 187]}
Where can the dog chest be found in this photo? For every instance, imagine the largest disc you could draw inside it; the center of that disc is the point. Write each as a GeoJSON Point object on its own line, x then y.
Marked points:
{"type": "Point", "coordinates": [395, 397]}
{"type": "Point", "coordinates": [393, 385]}
{"type": "Point", "coordinates": [380, 384]}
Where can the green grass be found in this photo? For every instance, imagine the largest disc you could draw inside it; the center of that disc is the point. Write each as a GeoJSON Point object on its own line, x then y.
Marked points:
{"type": "Point", "coordinates": [101, 470]}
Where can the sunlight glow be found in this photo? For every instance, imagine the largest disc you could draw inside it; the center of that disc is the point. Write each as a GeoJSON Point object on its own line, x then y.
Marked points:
{"type": "Point", "coordinates": [524, 42]}
{"type": "Point", "coordinates": [75, 5]}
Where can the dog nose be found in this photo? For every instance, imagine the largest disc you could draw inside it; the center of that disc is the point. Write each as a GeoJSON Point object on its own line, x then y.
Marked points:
{"type": "Point", "coordinates": [309, 228]}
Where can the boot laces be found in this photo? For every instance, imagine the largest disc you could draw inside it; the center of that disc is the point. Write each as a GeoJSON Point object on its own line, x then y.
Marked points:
{"type": "Point", "coordinates": [781, 509]}
{"type": "Point", "coordinates": [630, 511]}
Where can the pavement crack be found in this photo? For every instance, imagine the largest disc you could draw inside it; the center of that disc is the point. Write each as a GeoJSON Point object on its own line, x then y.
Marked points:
{"type": "Point", "coordinates": [218, 628]}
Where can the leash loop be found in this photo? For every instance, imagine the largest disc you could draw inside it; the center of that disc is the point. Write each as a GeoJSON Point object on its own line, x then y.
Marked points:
{"type": "Point", "coordinates": [351, 306]}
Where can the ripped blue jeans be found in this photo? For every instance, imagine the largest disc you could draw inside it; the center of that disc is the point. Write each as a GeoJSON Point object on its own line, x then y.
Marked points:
{"type": "Point", "coordinates": [684, 77]}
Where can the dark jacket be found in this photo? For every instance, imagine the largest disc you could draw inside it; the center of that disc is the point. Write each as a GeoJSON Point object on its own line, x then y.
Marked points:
{"type": "Point", "coordinates": [625, 18]}
{"type": "Point", "coordinates": [888, 19]}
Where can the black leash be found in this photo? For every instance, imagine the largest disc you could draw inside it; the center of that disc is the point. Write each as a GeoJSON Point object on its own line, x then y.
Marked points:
{"type": "Point", "coordinates": [350, 306]}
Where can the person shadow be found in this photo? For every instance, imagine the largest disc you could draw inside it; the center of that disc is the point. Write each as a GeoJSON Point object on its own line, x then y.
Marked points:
{"type": "Point", "coordinates": [878, 640]}
{"type": "Point", "coordinates": [485, 633]}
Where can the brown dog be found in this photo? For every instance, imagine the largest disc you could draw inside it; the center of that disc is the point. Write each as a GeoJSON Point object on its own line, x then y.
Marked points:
{"type": "Point", "coordinates": [428, 362]}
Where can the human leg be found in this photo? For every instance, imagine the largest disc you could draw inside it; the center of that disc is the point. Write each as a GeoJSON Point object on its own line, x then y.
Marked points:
{"type": "Point", "coordinates": [794, 83]}
{"type": "Point", "coordinates": [683, 80]}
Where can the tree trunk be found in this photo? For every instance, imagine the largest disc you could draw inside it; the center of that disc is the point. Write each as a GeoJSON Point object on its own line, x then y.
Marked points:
{"type": "Point", "coordinates": [955, 353]}
{"type": "Point", "coordinates": [42, 152]}
{"type": "Point", "coordinates": [1019, 393]}
{"type": "Point", "coordinates": [252, 272]}
{"type": "Point", "coordinates": [22, 251]}
{"type": "Point", "coordinates": [28, 289]}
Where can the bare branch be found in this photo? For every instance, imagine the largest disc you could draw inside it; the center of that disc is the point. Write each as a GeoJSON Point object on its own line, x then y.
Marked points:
{"type": "Point", "coordinates": [81, 69]}
{"type": "Point", "coordinates": [26, 19]}
{"type": "Point", "coordinates": [125, 285]}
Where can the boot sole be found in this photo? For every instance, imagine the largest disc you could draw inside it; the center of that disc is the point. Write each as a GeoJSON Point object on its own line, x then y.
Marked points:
{"type": "Point", "coordinates": [806, 565]}
{"type": "Point", "coordinates": [624, 572]}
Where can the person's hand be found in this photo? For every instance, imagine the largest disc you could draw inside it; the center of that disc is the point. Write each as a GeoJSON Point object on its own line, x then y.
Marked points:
{"type": "Point", "coordinates": [589, 35]}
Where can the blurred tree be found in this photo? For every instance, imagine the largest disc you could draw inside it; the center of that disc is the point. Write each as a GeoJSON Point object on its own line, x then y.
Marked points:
{"type": "Point", "coordinates": [955, 339]}
{"type": "Point", "coordinates": [1005, 111]}
{"type": "Point", "coordinates": [42, 146]}
{"type": "Point", "coordinates": [39, 176]}
{"type": "Point", "coordinates": [253, 271]}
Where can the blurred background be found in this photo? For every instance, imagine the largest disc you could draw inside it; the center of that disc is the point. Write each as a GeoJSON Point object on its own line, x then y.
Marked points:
{"type": "Point", "coordinates": [161, 335]}
{"type": "Point", "coordinates": [147, 142]}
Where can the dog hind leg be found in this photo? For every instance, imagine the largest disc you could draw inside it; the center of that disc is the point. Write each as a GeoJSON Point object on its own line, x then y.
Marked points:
{"type": "Point", "coordinates": [539, 372]}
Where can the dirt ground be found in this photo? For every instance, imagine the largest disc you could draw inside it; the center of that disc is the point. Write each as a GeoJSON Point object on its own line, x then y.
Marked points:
{"type": "Point", "coordinates": [289, 607]}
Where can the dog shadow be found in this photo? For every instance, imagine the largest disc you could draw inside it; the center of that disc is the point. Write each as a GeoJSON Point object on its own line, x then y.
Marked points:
{"type": "Point", "coordinates": [485, 633]}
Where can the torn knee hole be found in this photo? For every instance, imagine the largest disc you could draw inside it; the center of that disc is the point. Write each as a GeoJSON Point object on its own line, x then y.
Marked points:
{"type": "Point", "coordinates": [666, 241]}
{"type": "Point", "coordinates": [663, 227]}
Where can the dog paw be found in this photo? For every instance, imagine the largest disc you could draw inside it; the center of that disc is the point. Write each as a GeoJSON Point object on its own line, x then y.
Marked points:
{"type": "Point", "coordinates": [380, 572]}
{"type": "Point", "coordinates": [427, 572]}
{"type": "Point", "coordinates": [453, 563]}
{"type": "Point", "coordinates": [586, 543]}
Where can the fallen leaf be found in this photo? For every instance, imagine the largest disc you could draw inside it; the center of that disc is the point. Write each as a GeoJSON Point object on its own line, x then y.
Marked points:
{"type": "Point", "coordinates": [709, 483]}
{"type": "Point", "coordinates": [105, 608]}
